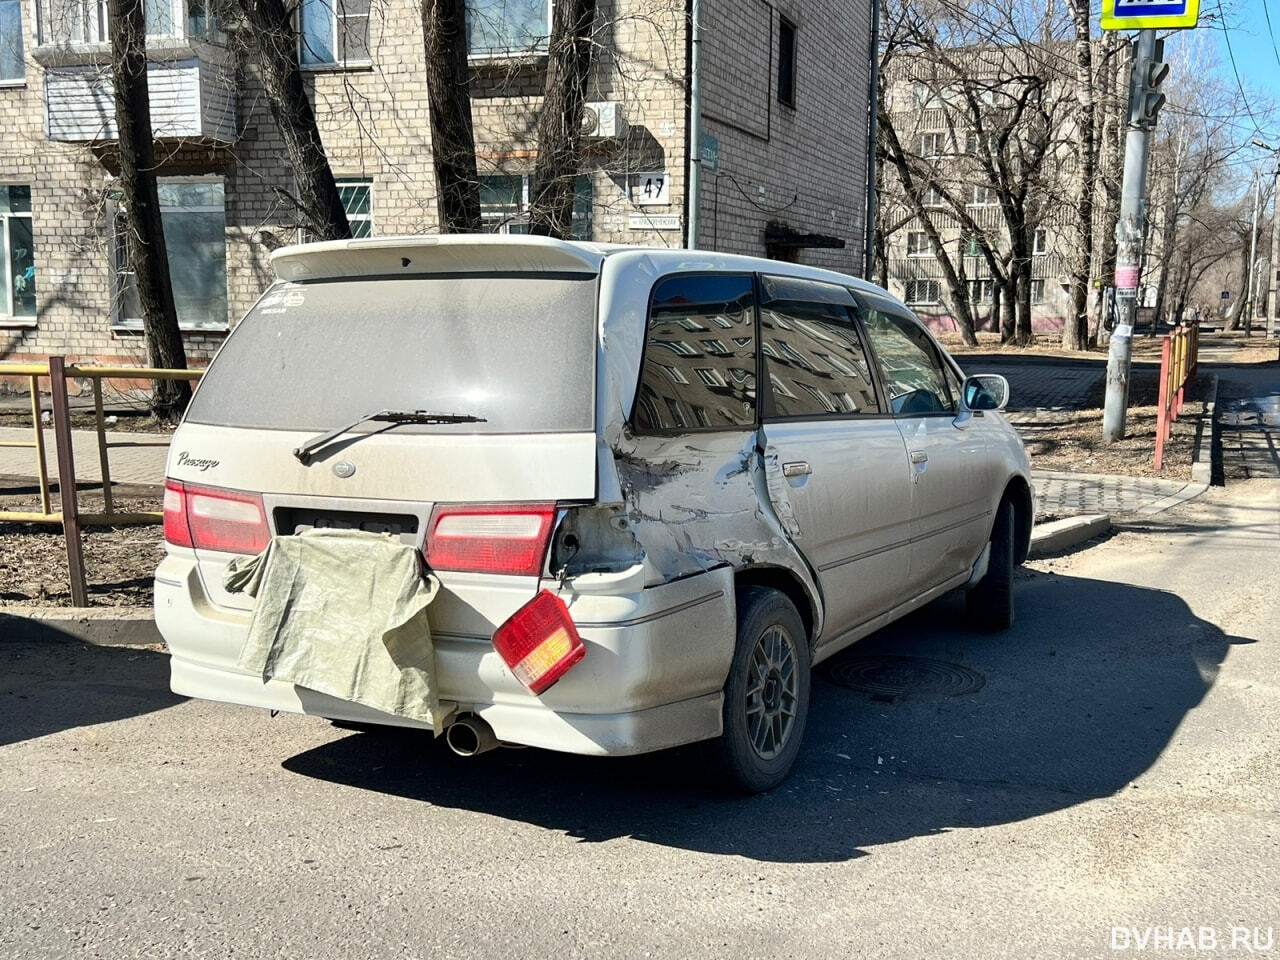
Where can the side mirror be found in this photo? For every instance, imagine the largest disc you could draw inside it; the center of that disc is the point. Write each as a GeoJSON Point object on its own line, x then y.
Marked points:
{"type": "Point", "coordinates": [986, 391]}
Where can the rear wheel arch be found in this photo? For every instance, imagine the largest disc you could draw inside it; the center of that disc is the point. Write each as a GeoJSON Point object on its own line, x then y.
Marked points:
{"type": "Point", "coordinates": [788, 584]}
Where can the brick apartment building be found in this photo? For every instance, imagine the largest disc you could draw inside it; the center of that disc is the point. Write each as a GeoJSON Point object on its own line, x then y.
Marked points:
{"type": "Point", "coordinates": [784, 113]}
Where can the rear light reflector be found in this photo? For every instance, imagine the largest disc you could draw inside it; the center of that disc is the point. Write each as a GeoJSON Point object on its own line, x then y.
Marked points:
{"type": "Point", "coordinates": [209, 518]}
{"type": "Point", "coordinates": [540, 642]}
{"type": "Point", "coordinates": [490, 537]}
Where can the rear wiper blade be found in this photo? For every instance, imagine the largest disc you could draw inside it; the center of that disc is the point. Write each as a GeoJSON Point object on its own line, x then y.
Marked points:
{"type": "Point", "coordinates": [305, 452]}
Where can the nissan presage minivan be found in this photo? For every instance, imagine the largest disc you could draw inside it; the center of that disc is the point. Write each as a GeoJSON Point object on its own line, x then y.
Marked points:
{"type": "Point", "coordinates": [654, 487]}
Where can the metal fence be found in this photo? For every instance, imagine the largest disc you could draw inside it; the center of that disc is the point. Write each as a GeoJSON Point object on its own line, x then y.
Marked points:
{"type": "Point", "coordinates": [1178, 357]}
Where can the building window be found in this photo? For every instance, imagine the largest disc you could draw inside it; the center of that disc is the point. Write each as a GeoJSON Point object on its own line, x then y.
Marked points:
{"type": "Point", "coordinates": [504, 205]}
{"type": "Point", "coordinates": [923, 292]}
{"type": "Point", "coordinates": [919, 244]}
{"type": "Point", "coordinates": [504, 28]}
{"type": "Point", "coordinates": [931, 145]}
{"type": "Point", "coordinates": [981, 196]}
{"type": "Point", "coordinates": [357, 201]}
{"type": "Point", "coordinates": [931, 197]}
{"type": "Point", "coordinates": [982, 291]}
{"type": "Point", "coordinates": [1037, 291]}
{"type": "Point", "coordinates": [195, 238]}
{"type": "Point", "coordinates": [786, 63]}
{"type": "Point", "coordinates": [18, 266]}
{"type": "Point", "coordinates": [11, 64]}
{"type": "Point", "coordinates": [85, 21]}
{"type": "Point", "coordinates": [1040, 243]}
{"type": "Point", "coordinates": [333, 33]}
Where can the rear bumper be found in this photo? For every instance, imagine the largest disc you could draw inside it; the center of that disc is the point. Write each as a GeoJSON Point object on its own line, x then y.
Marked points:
{"type": "Point", "coordinates": [651, 678]}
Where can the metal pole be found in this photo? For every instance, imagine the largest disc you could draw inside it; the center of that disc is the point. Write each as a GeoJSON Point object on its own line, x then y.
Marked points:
{"type": "Point", "coordinates": [67, 480]}
{"type": "Point", "coordinates": [1128, 254]}
{"type": "Point", "coordinates": [1251, 291]}
{"type": "Point", "coordinates": [1273, 286]}
{"type": "Point", "coordinates": [695, 127]}
{"type": "Point", "coordinates": [873, 132]}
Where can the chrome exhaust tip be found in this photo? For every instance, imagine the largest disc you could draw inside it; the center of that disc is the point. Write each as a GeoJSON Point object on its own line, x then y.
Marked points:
{"type": "Point", "coordinates": [470, 736]}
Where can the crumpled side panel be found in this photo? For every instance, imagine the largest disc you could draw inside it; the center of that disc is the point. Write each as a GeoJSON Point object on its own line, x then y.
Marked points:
{"type": "Point", "coordinates": [342, 612]}
{"type": "Point", "coordinates": [702, 501]}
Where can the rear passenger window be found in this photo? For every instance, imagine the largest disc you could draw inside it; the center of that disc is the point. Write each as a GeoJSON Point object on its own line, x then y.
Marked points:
{"type": "Point", "coordinates": [699, 359]}
{"type": "Point", "coordinates": [814, 355]}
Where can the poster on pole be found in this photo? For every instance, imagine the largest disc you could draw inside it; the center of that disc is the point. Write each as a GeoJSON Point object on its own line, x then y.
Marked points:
{"type": "Point", "coordinates": [1145, 14]}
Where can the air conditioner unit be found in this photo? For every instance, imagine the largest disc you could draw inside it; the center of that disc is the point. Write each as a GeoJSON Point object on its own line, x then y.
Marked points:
{"type": "Point", "coordinates": [603, 120]}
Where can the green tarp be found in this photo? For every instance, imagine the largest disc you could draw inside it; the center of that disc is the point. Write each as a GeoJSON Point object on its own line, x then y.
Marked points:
{"type": "Point", "coordinates": [342, 612]}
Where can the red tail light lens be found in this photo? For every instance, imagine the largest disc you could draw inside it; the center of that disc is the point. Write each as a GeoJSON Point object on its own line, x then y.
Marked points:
{"type": "Point", "coordinates": [208, 518]}
{"type": "Point", "coordinates": [176, 530]}
{"type": "Point", "coordinates": [490, 537]}
{"type": "Point", "coordinates": [540, 642]}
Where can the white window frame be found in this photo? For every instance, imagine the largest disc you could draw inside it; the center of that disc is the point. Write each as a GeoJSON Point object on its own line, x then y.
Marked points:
{"type": "Point", "coordinates": [21, 79]}
{"type": "Point", "coordinates": [1038, 290]}
{"type": "Point", "coordinates": [982, 291]}
{"type": "Point", "coordinates": [1040, 242]}
{"type": "Point", "coordinates": [336, 35]}
{"type": "Point", "coordinates": [538, 50]}
{"type": "Point", "coordinates": [354, 218]}
{"type": "Point", "coordinates": [503, 222]}
{"type": "Point", "coordinates": [121, 268]}
{"type": "Point", "coordinates": [90, 26]}
{"type": "Point", "coordinates": [914, 249]}
{"type": "Point", "coordinates": [981, 196]}
{"type": "Point", "coordinates": [937, 143]}
{"type": "Point", "coordinates": [7, 316]}
{"type": "Point", "coordinates": [932, 287]}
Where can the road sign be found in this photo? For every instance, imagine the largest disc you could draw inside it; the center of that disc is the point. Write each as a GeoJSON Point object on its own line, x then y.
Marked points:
{"type": "Point", "coordinates": [1143, 14]}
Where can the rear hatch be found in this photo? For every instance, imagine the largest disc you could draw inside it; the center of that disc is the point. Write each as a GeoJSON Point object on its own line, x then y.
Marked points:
{"type": "Point", "coordinates": [514, 349]}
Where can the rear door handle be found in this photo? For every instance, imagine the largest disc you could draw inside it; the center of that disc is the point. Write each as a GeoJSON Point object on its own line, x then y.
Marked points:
{"type": "Point", "coordinates": [799, 468]}
{"type": "Point", "coordinates": [919, 456]}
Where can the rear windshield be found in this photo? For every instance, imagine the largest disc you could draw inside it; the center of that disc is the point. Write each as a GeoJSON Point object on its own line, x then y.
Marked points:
{"type": "Point", "coordinates": [517, 351]}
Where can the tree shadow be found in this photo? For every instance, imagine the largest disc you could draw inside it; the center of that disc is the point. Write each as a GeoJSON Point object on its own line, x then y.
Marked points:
{"type": "Point", "coordinates": [1080, 698]}
{"type": "Point", "coordinates": [58, 683]}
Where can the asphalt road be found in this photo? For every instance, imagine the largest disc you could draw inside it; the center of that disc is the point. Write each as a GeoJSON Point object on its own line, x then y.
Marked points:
{"type": "Point", "coordinates": [1113, 778]}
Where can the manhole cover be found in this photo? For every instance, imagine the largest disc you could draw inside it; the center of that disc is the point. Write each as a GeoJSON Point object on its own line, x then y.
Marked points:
{"type": "Point", "coordinates": [901, 678]}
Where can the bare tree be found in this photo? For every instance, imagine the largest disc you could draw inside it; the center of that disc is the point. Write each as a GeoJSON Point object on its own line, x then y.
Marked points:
{"type": "Point", "coordinates": [560, 119]}
{"type": "Point", "coordinates": [453, 145]}
{"type": "Point", "coordinates": [318, 200]}
{"type": "Point", "coordinates": [145, 230]}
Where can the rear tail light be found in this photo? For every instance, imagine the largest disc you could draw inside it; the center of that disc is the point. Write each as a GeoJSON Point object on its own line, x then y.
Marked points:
{"type": "Point", "coordinates": [208, 518]}
{"type": "Point", "coordinates": [490, 537]}
{"type": "Point", "coordinates": [540, 642]}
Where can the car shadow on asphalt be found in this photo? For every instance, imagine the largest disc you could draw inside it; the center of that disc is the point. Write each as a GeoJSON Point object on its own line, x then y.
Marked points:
{"type": "Point", "coordinates": [1075, 703]}
{"type": "Point", "coordinates": [59, 683]}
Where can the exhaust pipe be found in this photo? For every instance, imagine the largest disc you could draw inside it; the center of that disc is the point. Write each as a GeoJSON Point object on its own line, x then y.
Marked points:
{"type": "Point", "coordinates": [470, 736]}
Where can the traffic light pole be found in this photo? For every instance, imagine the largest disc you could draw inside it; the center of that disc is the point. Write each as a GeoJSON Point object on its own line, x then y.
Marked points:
{"type": "Point", "coordinates": [1143, 102]}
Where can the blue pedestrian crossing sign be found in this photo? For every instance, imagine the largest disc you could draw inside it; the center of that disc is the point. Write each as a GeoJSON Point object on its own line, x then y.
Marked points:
{"type": "Point", "coordinates": [1142, 14]}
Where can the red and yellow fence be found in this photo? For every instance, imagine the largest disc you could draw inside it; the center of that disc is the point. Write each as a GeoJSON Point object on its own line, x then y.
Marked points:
{"type": "Point", "coordinates": [1178, 356]}
{"type": "Point", "coordinates": [57, 371]}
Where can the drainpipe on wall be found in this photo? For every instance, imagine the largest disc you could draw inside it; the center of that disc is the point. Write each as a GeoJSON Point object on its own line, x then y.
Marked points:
{"type": "Point", "coordinates": [694, 177]}
{"type": "Point", "coordinates": [873, 125]}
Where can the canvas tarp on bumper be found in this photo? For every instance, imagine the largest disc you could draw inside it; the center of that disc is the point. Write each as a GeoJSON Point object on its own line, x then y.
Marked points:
{"type": "Point", "coordinates": [342, 612]}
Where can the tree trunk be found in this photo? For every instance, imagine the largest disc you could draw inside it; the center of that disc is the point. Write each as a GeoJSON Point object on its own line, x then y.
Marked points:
{"type": "Point", "coordinates": [560, 121]}
{"type": "Point", "coordinates": [145, 240]}
{"type": "Point", "coordinates": [318, 201]}
{"type": "Point", "coordinates": [453, 144]}
{"type": "Point", "coordinates": [1075, 332]}
{"type": "Point", "coordinates": [1008, 311]}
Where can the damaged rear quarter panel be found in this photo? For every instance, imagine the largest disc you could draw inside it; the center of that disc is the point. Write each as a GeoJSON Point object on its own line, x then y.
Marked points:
{"type": "Point", "coordinates": [701, 501]}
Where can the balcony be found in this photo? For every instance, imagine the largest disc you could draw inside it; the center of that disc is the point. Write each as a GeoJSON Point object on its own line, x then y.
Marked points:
{"type": "Point", "coordinates": [190, 74]}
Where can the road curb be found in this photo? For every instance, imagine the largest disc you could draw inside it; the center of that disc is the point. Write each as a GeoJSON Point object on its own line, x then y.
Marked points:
{"type": "Point", "coordinates": [96, 625]}
{"type": "Point", "coordinates": [1051, 538]}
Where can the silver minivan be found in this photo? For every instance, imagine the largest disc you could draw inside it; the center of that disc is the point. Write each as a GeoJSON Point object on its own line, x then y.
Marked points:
{"type": "Point", "coordinates": [652, 488]}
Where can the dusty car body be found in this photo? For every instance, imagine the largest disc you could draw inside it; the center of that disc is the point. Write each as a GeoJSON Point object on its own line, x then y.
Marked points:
{"type": "Point", "coordinates": [713, 440]}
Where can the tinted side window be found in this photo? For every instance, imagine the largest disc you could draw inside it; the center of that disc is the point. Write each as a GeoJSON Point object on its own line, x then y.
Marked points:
{"type": "Point", "coordinates": [700, 356]}
{"type": "Point", "coordinates": [913, 371]}
{"type": "Point", "coordinates": [813, 353]}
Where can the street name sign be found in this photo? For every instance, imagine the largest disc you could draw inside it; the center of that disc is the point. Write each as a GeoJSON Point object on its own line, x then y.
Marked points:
{"type": "Point", "coordinates": [1144, 14]}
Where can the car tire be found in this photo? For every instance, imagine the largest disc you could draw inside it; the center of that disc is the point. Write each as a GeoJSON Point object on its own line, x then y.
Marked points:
{"type": "Point", "coordinates": [766, 696]}
{"type": "Point", "coordinates": [990, 603]}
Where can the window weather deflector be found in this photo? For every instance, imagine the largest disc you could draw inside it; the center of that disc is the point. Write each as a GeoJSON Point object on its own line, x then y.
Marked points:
{"type": "Point", "coordinates": [305, 452]}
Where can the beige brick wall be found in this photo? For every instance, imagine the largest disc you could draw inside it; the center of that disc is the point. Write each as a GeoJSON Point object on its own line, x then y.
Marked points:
{"type": "Point", "coordinates": [374, 121]}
